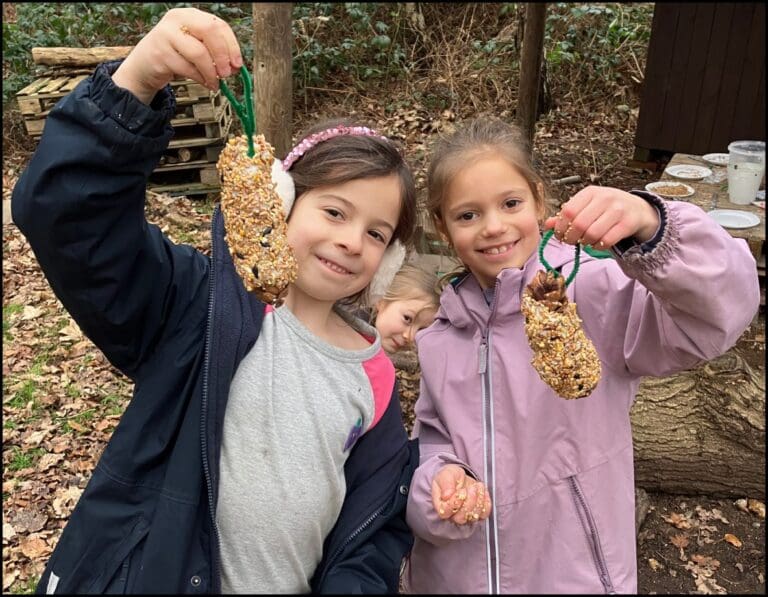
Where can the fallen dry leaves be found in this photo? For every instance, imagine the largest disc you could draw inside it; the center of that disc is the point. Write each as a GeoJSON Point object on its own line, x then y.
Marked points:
{"type": "Point", "coordinates": [700, 524]}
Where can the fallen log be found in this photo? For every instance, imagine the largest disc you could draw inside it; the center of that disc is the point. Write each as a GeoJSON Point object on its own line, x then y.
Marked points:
{"type": "Point", "coordinates": [79, 56]}
{"type": "Point", "coordinates": [702, 432]}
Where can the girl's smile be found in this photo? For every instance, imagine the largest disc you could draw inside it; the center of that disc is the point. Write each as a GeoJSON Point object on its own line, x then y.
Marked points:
{"type": "Point", "coordinates": [498, 252]}
{"type": "Point", "coordinates": [335, 267]}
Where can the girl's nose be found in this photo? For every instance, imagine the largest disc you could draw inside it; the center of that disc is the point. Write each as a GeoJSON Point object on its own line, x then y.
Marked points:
{"type": "Point", "coordinates": [351, 241]}
{"type": "Point", "coordinates": [493, 225]}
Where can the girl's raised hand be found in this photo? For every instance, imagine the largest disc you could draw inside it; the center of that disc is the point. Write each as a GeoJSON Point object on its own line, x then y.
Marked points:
{"type": "Point", "coordinates": [459, 497]}
{"type": "Point", "coordinates": [602, 216]}
{"type": "Point", "coordinates": [185, 43]}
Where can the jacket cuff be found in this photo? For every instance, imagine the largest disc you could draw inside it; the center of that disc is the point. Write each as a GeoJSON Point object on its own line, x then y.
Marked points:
{"type": "Point", "coordinates": [652, 254]}
{"type": "Point", "coordinates": [126, 109]}
{"type": "Point", "coordinates": [626, 244]}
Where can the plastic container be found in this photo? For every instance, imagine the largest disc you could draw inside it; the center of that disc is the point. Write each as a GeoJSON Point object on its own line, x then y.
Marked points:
{"type": "Point", "coordinates": [746, 166]}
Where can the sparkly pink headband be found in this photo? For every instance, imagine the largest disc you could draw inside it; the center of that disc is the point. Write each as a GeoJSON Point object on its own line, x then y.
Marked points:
{"type": "Point", "coordinates": [309, 142]}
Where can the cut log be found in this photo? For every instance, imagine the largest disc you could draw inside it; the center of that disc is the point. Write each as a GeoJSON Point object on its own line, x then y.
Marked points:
{"type": "Point", "coordinates": [702, 432]}
{"type": "Point", "coordinates": [79, 56]}
{"type": "Point", "coordinates": [185, 154]}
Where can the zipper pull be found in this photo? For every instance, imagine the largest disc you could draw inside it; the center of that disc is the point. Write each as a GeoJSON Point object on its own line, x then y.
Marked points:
{"type": "Point", "coordinates": [483, 359]}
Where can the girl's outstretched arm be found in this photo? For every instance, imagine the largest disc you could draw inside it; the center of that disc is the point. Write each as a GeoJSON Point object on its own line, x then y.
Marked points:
{"type": "Point", "coordinates": [80, 203]}
{"type": "Point", "coordinates": [687, 300]}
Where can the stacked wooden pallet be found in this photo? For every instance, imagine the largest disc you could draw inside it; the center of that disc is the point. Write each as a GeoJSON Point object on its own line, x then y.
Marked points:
{"type": "Point", "coordinates": [201, 124]}
{"type": "Point", "coordinates": [36, 99]}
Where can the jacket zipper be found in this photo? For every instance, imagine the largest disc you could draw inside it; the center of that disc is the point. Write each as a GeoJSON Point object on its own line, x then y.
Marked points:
{"type": "Point", "coordinates": [590, 529]}
{"type": "Point", "coordinates": [483, 369]}
{"type": "Point", "coordinates": [368, 521]}
{"type": "Point", "coordinates": [215, 580]}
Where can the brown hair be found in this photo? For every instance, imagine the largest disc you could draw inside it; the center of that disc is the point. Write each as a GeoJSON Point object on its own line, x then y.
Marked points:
{"type": "Point", "coordinates": [478, 138]}
{"type": "Point", "coordinates": [351, 157]}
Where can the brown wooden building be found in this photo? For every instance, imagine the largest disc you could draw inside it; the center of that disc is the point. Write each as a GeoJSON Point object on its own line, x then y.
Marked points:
{"type": "Point", "coordinates": [704, 78]}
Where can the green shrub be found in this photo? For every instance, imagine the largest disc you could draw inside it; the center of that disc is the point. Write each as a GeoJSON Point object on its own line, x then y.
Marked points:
{"type": "Point", "coordinates": [601, 44]}
{"type": "Point", "coordinates": [357, 41]}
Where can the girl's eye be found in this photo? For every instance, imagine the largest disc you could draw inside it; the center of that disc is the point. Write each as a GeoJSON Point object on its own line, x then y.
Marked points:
{"type": "Point", "coordinates": [407, 319]}
{"type": "Point", "coordinates": [378, 236]}
{"type": "Point", "coordinates": [510, 203]}
{"type": "Point", "coordinates": [334, 213]}
{"type": "Point", "coordinates": [466, 216]}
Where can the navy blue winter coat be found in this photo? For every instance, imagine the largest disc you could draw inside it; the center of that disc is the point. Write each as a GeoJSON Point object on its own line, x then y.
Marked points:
{"type": "Point", "coordinates": [177, 323]}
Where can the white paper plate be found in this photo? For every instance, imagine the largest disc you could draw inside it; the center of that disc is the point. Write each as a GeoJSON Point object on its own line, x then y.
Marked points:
{"type": "Point", "coordinates": [689, 172]}
{"type": "Point", "coordinates": [733, 218]}
{"type": "Point", "coordinates": [716, 159]}
{"type": "Point", "coordinates": [670, 189]}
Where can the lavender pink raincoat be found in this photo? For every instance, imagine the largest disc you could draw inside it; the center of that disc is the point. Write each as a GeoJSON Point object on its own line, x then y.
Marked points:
{"type": "Point", "coordinates": [560, 472]}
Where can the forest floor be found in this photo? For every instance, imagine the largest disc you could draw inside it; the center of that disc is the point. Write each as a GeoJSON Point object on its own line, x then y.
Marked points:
{"type": "Point", "coordinates": [62, 399]}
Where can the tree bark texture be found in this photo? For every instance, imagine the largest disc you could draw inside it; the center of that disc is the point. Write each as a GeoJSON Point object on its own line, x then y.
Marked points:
{"type": "Point", "coordinates": [273, 73]}
{"type": "Point", "coordinates": [79, 56]}
{"type": "Point", "coordinates": [702, 431]}
{"type": "Point", "coordinates": [530, 68]}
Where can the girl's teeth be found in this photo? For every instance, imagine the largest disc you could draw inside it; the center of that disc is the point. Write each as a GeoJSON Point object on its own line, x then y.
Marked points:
{"type": "Point", "coordinates": [335, 267]}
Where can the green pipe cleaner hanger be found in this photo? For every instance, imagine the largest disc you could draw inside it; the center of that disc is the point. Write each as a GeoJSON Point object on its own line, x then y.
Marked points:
{"type": "Point", "coordinates": [243, 110]}
{"type": "Point", "coordinates": [587, 249]}
{"type": "Point", "coordinates": [544, 240]}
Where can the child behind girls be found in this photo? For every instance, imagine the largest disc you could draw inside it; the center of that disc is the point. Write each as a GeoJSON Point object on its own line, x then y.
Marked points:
{"type": "Point", "coordinates": [408, 306]}
{"type": "Point", "coordinates": [519, 490]}
{"type": "Point", "coordinates": [263, 450]}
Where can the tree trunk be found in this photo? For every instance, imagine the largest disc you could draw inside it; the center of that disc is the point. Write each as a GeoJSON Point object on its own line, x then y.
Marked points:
{"type": "Point", "coordinates": [273, 73]}
{"type": "Point", "coordinates": [530, 68]}
{"type": "Point", "coordinates": [79, 56]}
{"type": "Point", "coordinates": [702, 431]}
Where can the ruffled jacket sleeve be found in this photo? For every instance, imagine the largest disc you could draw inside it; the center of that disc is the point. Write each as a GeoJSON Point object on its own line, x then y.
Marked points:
{"type": "Point", "coordinates": [663, 311]}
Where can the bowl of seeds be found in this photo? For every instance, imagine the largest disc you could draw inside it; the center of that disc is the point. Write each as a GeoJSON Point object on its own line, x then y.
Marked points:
{"type": "Point", "coordinates": [670, 189]}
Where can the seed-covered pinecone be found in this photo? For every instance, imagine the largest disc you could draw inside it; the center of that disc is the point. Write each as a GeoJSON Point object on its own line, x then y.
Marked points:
{"type": "Point", "coordinates": [563, 356]}
{"type": "Point", "coordinates": [256, 230]}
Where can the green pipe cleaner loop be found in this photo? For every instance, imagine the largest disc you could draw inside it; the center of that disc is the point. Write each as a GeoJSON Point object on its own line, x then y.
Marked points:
{"type": "Point", "coordinates": [544, 240]}
{"type": "Point", "coordinates": [597, 253]}
{"type": "Point", "coordinates": [244, 111]}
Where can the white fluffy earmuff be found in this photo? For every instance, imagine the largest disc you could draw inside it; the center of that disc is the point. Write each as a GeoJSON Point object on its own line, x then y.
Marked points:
{"type": "Point", "coordinates": [284, 186]}
{"type": "Point", "coordinates": [390, 265]}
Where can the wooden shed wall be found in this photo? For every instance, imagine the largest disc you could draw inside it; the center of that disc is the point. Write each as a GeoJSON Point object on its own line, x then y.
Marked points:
{"type": "Point", "coordinates": [704, 79]}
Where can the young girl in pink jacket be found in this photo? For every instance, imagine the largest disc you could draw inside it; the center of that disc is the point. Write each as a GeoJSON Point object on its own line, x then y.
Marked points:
{"type": "Point", "coordinates": [519, 490]}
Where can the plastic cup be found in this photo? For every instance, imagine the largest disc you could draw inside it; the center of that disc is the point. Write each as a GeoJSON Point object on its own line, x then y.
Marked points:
{"type": "Point", "coordinates": [746, 166]}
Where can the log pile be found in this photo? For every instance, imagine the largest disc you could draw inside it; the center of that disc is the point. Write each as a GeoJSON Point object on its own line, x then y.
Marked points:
{"type": "Point", "coordinates": [201, 123]}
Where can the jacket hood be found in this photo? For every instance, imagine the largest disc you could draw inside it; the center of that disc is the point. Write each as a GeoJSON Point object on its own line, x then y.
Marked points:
{"type": "Point", "coordinates": [462, 302]}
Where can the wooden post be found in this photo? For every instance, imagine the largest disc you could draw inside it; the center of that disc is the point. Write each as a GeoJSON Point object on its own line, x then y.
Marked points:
{"type": "Point", "coordinates": [530, 68]}
{"type": "Point", "coordinates": [273, 73]}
